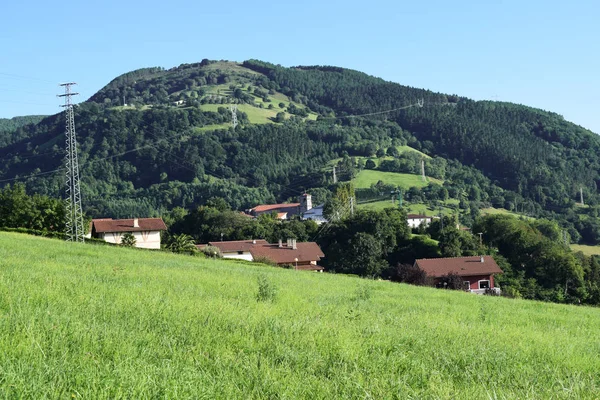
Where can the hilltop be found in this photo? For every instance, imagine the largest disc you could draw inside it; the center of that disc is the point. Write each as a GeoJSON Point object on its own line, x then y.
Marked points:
{"type": "Point", "coordinates": [157, 138]}
{"type": "Point", "coordinates": [106, 322]}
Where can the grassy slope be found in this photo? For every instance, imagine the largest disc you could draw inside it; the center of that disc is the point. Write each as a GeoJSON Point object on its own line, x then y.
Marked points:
{"type": "Point", "coordinates": [493, 211]}
{"type": "Point", "coordinates": [586, 249]}
{"type": "Point", "coordinates": [96, 322]}
{"type": "Point", "coordinates": [367, 177]}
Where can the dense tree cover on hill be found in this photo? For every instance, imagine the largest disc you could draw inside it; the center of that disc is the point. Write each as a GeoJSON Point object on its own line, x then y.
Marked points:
{"type": "Point", "coordinates": [8, 126]}
{"type": "Point", "coordinates": [147, 159]}
{"type": "Point", "coordinates": [19, 210]}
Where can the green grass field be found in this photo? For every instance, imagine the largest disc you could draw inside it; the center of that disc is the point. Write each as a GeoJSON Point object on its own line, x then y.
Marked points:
{"type": "Point", "coordinates": [367, 177]}
{"type": "Point", "coordinates": [493, 211]}
{"type": "Point", "coordinates": [586, 249]}
{"type": "Point", "coordinates": [86, 321]}
{"type": "Point", "coordinates": [410, 208]}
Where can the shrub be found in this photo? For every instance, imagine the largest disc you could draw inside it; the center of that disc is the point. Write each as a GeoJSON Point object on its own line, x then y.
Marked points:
{"type": "Point", "coordinates": [266, 290]}
{"type": "Point", "coordinates": [265, 260]}
{"type": "Point", "coordinates": [128, 240]}
{"type": "Point", "coordinates": [212, 252]}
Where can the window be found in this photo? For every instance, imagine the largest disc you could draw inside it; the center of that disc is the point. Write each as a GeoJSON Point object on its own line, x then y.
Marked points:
{"type": "Point", "coordinates": [240, 252]}
{"type": "Point", "coordinates": [467, 285]}
{"type": "Point", "coordinates": [484, 284]}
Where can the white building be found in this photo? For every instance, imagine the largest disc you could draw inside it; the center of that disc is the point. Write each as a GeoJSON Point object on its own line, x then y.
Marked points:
{"type": "Point", "coordinates": [416, 220]}
{"type": "Point", "coordinates": [145, 230]}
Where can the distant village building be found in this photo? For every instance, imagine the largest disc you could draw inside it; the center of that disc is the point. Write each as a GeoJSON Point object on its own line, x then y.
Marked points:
{"type": "Point", "coordinates": [477, 272]}
{"type": "Point", "coordinates": [303, 208]}
{"type": "Point", "coordinates": [416, 220]}
{"type": "Point", "coordinates": [301, 256]}
{"type": "Point", "coordinates": [145, 230]}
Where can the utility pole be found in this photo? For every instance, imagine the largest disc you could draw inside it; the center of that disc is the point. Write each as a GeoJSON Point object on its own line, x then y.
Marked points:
{"type": "Point", "coordinates": [480, 238]}
{"type": "Point", "coordinates": [352, 206]}
{"type": "Point", "coordinates": [423, 170]}
{"type": "Point", "coordinates": [334, 176]}
{"type": "Point", "coordinates": [581, 196]}
{"type": "Point", "coordinates": [399, 198]}
{"type": "Point", "coordinates": [74, 219]}
{"type": "Point", "coordinates": [234, 121]}
{"type": "Point", "coordinates": [441, 218]}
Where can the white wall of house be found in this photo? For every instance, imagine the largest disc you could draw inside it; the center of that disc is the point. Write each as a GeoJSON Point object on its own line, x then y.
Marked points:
{"type": "Point", "coordinates": [416, 222]}
{"type": "Point", "coordinates": [244, 256]}
{"type": "Point", "coordinates": [143, 240]}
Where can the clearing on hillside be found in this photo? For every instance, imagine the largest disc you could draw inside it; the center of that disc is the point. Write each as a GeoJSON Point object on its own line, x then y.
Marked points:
{"type": "Point", "coordinates": [91, 321]}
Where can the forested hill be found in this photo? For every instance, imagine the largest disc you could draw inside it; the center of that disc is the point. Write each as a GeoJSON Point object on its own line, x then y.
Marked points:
{"type": "Point", "coordinates": [9, 125]}
{"type": "Point", "coordinates": [156, 138]}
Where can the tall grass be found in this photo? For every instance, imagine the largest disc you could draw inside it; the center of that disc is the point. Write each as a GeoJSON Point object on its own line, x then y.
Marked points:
{"type": "Point", "coordinates": [97, 322]}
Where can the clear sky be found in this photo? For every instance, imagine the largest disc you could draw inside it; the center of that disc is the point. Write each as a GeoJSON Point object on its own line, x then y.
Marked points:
{"type": "Point", "coordinates": [543, 54]}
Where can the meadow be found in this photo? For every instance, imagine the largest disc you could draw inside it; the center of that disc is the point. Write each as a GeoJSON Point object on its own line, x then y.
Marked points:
{"type": "Point", "coordinates": [89, 321]}
{"type": "Point", "coordinates": [367, 177]}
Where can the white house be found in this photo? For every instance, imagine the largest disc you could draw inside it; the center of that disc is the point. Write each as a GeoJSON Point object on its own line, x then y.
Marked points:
{"type": "Point", "coordinates": [416, 220]}
{"type": "Point", "coordinates": [145, 230]}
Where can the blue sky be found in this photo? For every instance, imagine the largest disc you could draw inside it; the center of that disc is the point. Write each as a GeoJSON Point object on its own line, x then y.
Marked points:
{"type": "Point", "coordinates": [544, 54]}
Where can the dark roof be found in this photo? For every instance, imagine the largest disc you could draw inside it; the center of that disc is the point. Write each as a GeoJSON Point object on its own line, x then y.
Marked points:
{"type": "Point", "coordinates": [237, 245]}
{"type": "Point", "coordinates": [274, 207]}
{"type": "Point", "coordinates": [417, 216]}
{"type": "Point", "coordinates": [126, 225]}
{"type": "Point", "coordinates": [304, 252]}
{"type": "Point", "coordinates": [463, 266]}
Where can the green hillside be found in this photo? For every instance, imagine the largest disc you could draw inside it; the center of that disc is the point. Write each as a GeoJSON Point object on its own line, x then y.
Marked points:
{"type": "Point", "coordinates": [151, 139]}
{"type": "Point", "coordinates": [84, 321]}
{"type": "Point", "coordinates": [367, 177]}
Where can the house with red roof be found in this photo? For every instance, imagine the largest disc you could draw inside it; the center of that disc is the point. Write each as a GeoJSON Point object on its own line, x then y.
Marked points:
{"type": "Point", "coordinates": [297, 255]}
{"type": "Point", "coordinates": [145, 230]}
{"type": "Point", "coordinates": [238, 249]}
{"type": "Point", "coordinates": [477, 272]}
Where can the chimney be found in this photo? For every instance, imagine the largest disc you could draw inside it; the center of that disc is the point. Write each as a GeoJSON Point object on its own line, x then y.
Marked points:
{"type": "Point", "coordinates": [481, 259]}
{"type": "Point", "coordinates": [294, 244]}
{"type": "Point", "coordinates": [289, 242]}
{"type": "Point", "coordinates": [280, 243]}
{"type": "Point", "coordinates": [136, 223]}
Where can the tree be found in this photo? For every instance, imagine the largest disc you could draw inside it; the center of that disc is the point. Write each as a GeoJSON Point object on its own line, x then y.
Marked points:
{"type": "Point", "coordinates": [380, 153]}
{"type": "Point", "coordinates": [392, 151]}
{"type": "Point", "coordinates": [182, 244]}
{"type": "Point", "coordinates": [280, 117]}
{"type": "Point", "coordinates": [128, 240]}
{"type": "Point", "coordinates": [370, 164]}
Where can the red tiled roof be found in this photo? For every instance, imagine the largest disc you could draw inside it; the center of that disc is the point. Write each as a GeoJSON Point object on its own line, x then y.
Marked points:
{"type": "Point", "coordinates": [104, 225]}
{"type": "Point", "coordinates": [274, 207]}
{"type": "Point", "coordinates": [463, 266]}
{"type": "Point", "coordinates": [417, 216]}
{"type": "Point", "coordinates": [304, 252]}
{"type": "Point", "coordinates": [237, 245]}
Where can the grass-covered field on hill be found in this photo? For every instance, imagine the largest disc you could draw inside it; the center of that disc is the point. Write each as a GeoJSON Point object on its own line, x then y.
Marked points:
{"type": "Point", "coordinates": [586, 249]}
{"type": "Point", "coordinates": [367, 177]}
{"type": "Point", "coordinates": [85, 321]}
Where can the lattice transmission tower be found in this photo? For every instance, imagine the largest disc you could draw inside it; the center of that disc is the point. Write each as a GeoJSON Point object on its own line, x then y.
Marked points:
{"type": "Point", "coordinates": [74, 218]}
{"type": "Point", "coordinates": [234, 121]}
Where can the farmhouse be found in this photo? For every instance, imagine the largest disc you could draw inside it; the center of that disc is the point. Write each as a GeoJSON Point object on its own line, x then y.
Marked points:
{"type": "Point", "coordinates": [145, 230]}
{"type": "Point", "coordinates": [477, 271]}
{"type": "Point", "coordinates": [303, 208]}
{"type": "Point", "coordinates": [302, 256]}
{"type": "Point", "coordinates": [238, 249]}
{"type": "Point", "coordinates": [416, 220]}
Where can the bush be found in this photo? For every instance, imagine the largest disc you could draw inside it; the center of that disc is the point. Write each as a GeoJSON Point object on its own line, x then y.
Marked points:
{"type": "Point", "coordinates": [265, 260]}
{"type": "Point", "coordinates": [266, 290]}
{"type": "Point", "coordinates": [212, 252]}
{"type": "Point", "coordinates": [128, 240]}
